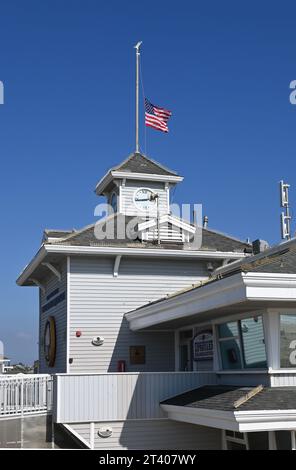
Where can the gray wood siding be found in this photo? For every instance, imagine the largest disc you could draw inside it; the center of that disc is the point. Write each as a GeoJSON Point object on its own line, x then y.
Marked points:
{"type": "Point", "coordinates": [152, 434]}
{"type": "Point", "coordinates": [98, 302]}
{"type": "Point", "coordinates": [127, 194]}
{"type": "Point", "coordinates": [59, 312]}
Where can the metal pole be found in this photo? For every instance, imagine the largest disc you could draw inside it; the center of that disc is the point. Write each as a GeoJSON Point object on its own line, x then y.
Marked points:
{"type": "Point", "coordinates": [137, 47]}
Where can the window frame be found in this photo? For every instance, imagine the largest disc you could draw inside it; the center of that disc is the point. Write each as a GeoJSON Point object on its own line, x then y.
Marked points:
{"type": "Point", "coordinates": [281, 313]}
{"type": "Point", "coordinates": [238, 319]}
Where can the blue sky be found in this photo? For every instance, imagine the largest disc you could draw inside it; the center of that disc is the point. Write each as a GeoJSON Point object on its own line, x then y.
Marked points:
{"type": "Point", "coordinates": [67, 66]}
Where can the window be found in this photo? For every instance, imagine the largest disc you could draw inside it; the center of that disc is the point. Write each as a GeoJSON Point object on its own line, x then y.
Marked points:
{"type": "Point", "coordinates": [288, 341]}
{"type": "Point", "coordinates": [242, 344]}
{"type": "Point", "coordinates": [235, 440]}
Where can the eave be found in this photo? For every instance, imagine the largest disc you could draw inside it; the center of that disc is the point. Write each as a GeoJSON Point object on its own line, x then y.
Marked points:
{"type": "Point", "coordinates": [47, 250]}
{"type": "Point", "coordinates": [112, 175]}
{"type": "Point", "coordinates": [239, 292]}
{"type": "Point", "coordinates": [241, 421]}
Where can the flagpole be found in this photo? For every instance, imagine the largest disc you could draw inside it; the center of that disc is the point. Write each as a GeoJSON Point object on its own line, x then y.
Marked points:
{"type": "Point", "coordinates": [137, 47]}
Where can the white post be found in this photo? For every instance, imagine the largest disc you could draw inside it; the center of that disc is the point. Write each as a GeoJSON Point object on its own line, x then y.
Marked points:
{"type": "Point", "coordinates": [293, 440]}
{"type": "Point", "coordinates": [92, 435]}
{"type": "Point", "coordinates": [137, 47]}
{"type": "Point", "coordinates": [271, 440]}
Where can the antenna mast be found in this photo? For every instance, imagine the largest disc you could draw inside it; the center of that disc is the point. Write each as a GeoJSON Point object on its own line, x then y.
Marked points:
{"type": "Point", "coordinates": [137, 47]}
{"type": "Point", "coordinates": [285, 215]}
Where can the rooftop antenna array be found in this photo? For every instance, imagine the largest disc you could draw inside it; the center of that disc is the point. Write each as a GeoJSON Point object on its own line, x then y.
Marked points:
{"type": "Point", "coordinates": [285, 215]}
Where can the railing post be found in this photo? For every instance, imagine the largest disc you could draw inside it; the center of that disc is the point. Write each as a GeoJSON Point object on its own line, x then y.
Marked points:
{"type": "Point", "coordinates": [22, 396]}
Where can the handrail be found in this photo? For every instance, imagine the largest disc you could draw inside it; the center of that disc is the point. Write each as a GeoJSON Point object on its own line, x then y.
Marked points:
{"type": "Point", "coordinates": [25, 394]}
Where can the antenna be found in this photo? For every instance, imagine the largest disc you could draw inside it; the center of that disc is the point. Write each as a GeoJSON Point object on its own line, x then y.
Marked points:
{"type": "Point", "coordinates": [285, 215]}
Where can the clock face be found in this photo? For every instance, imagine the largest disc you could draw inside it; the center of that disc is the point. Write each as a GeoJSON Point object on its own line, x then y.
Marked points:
{"type": "Point", "coordinates": [114, 202]}
{"type": "Point", "coordinates": [143, 199]}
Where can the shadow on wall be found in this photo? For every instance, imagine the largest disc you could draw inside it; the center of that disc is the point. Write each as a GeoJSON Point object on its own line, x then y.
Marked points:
{"type": "Point", "coordinates": [158, 350]}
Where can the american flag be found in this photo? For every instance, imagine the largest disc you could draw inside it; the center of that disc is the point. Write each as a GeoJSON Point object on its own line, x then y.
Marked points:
{"type": "Point", "coordinates": [156, 117]}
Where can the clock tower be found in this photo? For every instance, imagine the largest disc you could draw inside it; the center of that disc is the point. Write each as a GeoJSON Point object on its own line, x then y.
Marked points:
{"type": "Point", "coordinates": [138, 186]}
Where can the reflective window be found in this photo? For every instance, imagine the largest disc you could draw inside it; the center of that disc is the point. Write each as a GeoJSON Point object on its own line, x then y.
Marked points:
{"type": "Point", "coordinates": [242, 344]}
{"type": "Point", "coordinates": [228, 330]}
{"type": "Point", "coordinates": [288, 341]}
{"type": "Point", "coordinates": [230, 354]}
{"type": "Point", "coordinates": [253, 343]}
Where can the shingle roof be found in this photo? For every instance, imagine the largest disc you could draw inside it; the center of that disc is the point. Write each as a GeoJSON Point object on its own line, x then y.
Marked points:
{"type": "Point", "coordinates": [211, 240]}
{"type": "Point", "coordinates": [139, 163]}
{"type": "Point", "coordinates": [284, 261]}
{"type": "Point", "coordinates": [222, 398]}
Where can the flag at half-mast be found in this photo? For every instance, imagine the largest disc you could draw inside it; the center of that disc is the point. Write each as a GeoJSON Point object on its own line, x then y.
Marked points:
{"type": "Point", "coordinates": [156, 117]}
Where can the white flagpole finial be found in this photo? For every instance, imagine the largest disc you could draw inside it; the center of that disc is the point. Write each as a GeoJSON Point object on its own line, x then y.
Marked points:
{"type": "Point", "coordinates": [137, 47]}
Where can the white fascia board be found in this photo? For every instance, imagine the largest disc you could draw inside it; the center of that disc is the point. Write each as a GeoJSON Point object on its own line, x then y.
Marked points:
{"type": "Point", "coordinates": [217, 294]}
{"type": "Point", "coordinates": [103, 183]}
{"type": "Point", "coordinates": [242, 421]}
{"type": "Point", "coordinates": [157, 253]}
{"type": "Point", "coordinates": [202, 417]}
{"type": "Point", "coordinates": [147, 176]}
{"type": "Point", "coordinates": [227, 291]}
{"type": "Point", "coordinates": [270, 286]}
{"type": "Point", "coordinates": [266, 420]}
{"type": "Point", "coordinates": [30, 268]}
{"type": "Point", "coordinates": [104, 250]}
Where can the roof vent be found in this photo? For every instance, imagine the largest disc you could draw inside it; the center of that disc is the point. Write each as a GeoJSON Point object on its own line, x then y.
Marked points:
{"type": "Point", "coordinates": [259, 246]}
{"type": "Point", "coordinates": [205, 221]}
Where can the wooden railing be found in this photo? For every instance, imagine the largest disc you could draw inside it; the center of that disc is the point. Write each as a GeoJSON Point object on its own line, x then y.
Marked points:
{"type": "Point", "coordinates": [25, 394]}
{"type": "Point", "coordinates": [120, 396]}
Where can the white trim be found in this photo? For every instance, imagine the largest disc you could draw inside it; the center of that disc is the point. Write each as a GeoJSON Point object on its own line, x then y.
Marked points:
{"type": "Point", "coordinates": [241, 421]}
{"type": "Point", "coordinates": [116, 265]}
{"type": "Point", "coordinates": [204, 417]}
{"type": "Point", "coordinates": [78, 374]}
{"type": "Point", "coordinates": [266, 420]}
{"type": "Point", "coordinates": [111, 175]}
{"type": "Point", "coordinates": [68, 313]}
{"type": "Point", "coordinates": [241, 371]}
{"type": "Point", "coordinates": [92, 435]}
{"type": "Point", "coordinates": [104, 251]}
{"type": "Point", "coordinates": [53, 270]}
{"type": "Point", "coordinates": [281, 371]}
{"type": "Point", "coordinates": [232, 290]}
{"type": "Point", "coordinates": [38, 284]}
{"type": "Point", "coordinates": [271, 440]}
{"type": "Point", "coordinates": [293, 440]}
{"type": "Point", "coordinates": [75, 433]}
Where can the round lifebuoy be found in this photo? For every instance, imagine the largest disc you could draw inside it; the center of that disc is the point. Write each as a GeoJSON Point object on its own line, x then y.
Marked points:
{"type": "Point", "coordinates": [50, 341]}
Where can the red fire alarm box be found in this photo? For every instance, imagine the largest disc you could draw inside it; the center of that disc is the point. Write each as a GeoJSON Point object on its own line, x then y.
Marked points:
{"type": "Point", "coordinates": [121, 366]}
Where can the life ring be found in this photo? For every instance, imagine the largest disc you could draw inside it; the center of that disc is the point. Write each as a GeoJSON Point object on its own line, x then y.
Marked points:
{"type": "Point", "coordinates": [50, 341]}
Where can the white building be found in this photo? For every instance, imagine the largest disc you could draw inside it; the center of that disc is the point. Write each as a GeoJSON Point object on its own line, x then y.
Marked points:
{"type": "Point", "coordinates": [127, 323]}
